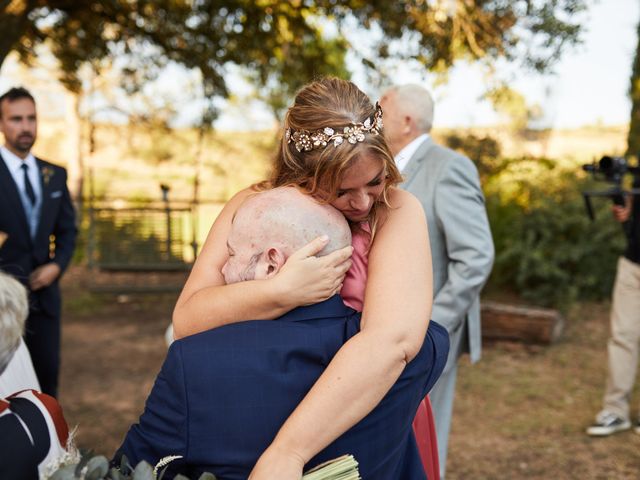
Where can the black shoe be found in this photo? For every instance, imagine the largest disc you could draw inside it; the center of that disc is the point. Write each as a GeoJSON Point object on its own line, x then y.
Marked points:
{"type": "Point", "coordinates": [636, 427]}
{"type": "Point", "coordinates": [608, 423]}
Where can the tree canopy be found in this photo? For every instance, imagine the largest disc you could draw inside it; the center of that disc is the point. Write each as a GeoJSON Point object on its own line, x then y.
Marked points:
{"type": "Point", "coordinates": [283, 44]}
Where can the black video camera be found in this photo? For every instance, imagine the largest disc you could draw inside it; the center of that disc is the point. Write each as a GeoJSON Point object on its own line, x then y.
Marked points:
{"type": "Point", "coordinates": [611, 170]}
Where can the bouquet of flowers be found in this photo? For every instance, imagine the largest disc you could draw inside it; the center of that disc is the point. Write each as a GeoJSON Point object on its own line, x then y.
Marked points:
{"type": "Point", "coordinates": [341, 468]}
{"type": "Point", "coordinates": [89, 467]}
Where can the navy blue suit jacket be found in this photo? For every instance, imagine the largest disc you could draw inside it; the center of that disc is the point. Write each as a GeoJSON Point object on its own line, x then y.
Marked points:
{"type": "Point", "coordinates": [222, 395]}
{"type": "Point", "coordinates": [20, 254]}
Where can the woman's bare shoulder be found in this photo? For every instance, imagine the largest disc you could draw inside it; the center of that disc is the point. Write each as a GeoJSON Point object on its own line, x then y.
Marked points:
{"type": "Point", "coordinates": [399, 198]}
{"type": "Point", "coordinates": [242, 195]}
{"type": "Point", "coordinates": [402, 204]}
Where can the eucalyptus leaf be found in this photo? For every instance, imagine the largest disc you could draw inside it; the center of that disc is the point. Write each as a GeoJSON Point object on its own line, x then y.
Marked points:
{"type": "Point", "coordinates": [115, 474]}
{"type": "Point", "coordinates": [125, 466]}
{"type": "Point", "coordinates": [180, 477]}
{"type": "Point", "coordinates": [208, 476]}
{"type": "Point", "coordinates": [85, 456]}
{"type": "Point", "coordinates": [65, 473]}
{"type": "Point", "coordinates": [97, 468]}
{"type": "Point", "coordinates": [162, 472]}
{"type": "Point", "coordinates": [143, 471]}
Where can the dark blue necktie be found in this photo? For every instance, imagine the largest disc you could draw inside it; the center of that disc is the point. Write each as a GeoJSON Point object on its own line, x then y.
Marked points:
{"type": "Point", "coordinates": [27, 184]}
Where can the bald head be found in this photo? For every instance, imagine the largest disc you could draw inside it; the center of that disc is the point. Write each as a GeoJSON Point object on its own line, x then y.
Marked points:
{"type": "Point", "coordinates": [269, 226]}
{"type": "Point", "coordinates": [408, 113]}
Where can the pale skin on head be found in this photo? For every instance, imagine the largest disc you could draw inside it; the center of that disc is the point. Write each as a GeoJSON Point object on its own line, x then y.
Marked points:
{"type": "Point", "coordinates": [396, 313]}
{"type": "Point", "coordinates": [270, 226]}
{"type": "Point", "coordinates": [19, 125]}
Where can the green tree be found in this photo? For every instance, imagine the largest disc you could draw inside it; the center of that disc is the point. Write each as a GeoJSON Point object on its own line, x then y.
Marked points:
{"type": "Point", "coordinates": [511, 104]}
{"type": "Point", "coordinates": [283, 39]}
{"type": "Point", "coordinates": [633, 140]}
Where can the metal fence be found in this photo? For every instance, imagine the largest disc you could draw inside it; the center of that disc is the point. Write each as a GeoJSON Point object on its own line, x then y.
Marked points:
{"type": "Point", "coordinates": [130, 235]}
{"type": "Point", "coordinates": [139, 238]}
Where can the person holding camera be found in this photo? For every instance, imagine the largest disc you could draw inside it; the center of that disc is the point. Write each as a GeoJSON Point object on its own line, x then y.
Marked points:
{"type": "Point", "coordinates": [624, 344]}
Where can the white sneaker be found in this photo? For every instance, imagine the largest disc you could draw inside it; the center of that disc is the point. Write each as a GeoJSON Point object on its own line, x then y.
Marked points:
{"type": "Point", "coordinates": [608, 423]}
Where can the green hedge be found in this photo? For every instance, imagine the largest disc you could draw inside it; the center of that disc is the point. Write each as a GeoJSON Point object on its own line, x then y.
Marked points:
{"type": "Point", "coordinates": [547, 250]}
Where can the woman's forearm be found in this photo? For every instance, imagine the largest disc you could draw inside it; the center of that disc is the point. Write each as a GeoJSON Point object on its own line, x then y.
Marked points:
{"type": "Point", "coordinates": [394, 322]}
{"type": "Point", "coordinates": [219, 305]}
{"type": "Point", "coordinates": [355, 381]}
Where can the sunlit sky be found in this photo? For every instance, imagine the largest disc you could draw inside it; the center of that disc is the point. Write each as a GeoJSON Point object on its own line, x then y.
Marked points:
{"type": "Point", "coordinates": [589, 87]}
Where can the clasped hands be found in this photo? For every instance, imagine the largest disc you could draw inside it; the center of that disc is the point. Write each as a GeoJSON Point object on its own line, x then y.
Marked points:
{"type": "Point", "coordinates": [44, 275]}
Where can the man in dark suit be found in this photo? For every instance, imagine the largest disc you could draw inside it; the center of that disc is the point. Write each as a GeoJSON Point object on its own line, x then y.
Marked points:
{"type": "Point", "coordinates": [222, 395]}
{"type": "Point", "coordinates": [38, 220]}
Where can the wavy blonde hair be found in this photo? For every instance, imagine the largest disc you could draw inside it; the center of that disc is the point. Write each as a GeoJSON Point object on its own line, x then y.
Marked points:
{"type": "Point", "coordinates": [335, 103]}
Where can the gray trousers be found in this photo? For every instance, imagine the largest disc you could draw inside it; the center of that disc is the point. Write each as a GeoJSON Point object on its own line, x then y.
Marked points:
{"type": "Point", "coordinates": [442, 395]}
{"type": "Point", "coordinates": [625, 338]}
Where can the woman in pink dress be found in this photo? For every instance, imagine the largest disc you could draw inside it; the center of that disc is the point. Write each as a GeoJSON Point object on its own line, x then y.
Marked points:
{"type": "Point", "coordinates": [331, 148]}
{"type": "Point", "coordinates": [352, 293]}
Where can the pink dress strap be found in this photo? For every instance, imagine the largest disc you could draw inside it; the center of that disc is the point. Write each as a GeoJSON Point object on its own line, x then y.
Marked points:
{"type": "Point", "coordinates": [355, 281]}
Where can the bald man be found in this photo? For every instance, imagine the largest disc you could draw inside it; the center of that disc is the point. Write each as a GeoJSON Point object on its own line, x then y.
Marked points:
{"type": "Point", "coordinates": [448, 186]}
{"type": "Point", "coordinates": [222, 395]}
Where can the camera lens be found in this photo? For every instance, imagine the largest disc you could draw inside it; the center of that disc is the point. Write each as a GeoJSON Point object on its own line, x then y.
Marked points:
{"type": "Point", "coordinates": [606, 163]}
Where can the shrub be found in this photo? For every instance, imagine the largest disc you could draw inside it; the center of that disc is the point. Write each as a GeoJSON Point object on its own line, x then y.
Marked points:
{"type": "Point", "coordinates": [484, 151]}
{"type": "Point", "coordinates": [547, 249]}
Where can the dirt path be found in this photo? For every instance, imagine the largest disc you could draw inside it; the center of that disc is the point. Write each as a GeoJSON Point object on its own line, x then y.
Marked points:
{"type": "Point", "coordinates": [112, 349]}
{"type": "Point", "coordinates": [519, 413]}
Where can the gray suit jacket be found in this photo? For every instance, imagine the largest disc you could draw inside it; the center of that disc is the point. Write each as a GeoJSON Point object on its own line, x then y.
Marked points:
{"type": "Point", "coordinates": [448, 186]}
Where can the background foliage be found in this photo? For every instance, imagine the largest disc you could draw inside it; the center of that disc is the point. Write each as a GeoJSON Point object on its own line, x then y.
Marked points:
{"type": "Point", "coordinates": [283, 44]}
{"type": "Point", "coordinates": [547, 249]}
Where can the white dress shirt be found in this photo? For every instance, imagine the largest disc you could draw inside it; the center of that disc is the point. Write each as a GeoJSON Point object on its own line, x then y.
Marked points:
{"type": "Point", "coordinates": [14, 164]}
{"type": "Point", "coordinates": [404, 155]}
{"type": "Point", "coordinates": [19, 374]}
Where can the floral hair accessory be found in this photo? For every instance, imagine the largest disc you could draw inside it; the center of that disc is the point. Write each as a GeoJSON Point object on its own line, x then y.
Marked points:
{"type": "Point", "coordinates": [306, 141]}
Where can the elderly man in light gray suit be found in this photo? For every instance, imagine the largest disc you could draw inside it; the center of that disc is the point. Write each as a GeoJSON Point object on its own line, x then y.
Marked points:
{"type": "Point", "coordinates": [448, 186]}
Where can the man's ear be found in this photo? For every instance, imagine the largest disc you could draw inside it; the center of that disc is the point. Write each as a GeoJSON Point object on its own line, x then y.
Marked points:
{"type": "Point", "coordinates": [407, 124]}
{"type": "Point", "coordinates": [271, 262]}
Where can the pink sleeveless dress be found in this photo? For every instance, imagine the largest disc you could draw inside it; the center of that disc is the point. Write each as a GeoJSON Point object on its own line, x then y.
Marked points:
{"type": "Point", "coordinates": [352, 293]}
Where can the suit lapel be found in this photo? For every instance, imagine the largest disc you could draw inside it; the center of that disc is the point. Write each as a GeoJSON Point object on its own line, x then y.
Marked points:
{"type": "Point", "coordinates": [416, 160]}
{"type": "Point", "coordinates": [45, 188]}
{"type": "Point", "coordinates": [11, 191]}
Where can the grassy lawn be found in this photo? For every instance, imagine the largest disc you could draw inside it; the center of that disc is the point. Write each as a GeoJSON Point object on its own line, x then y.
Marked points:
{"type": "Point", "coordinates": [521, 412]}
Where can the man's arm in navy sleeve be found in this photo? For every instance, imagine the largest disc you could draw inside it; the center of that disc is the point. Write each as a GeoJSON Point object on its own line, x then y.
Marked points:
{"type": "Point", "coordinates": [163, 427]}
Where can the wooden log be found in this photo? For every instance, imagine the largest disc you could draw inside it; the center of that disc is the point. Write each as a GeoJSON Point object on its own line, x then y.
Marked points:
{"type": "Point", "coordinates": [525, 324]}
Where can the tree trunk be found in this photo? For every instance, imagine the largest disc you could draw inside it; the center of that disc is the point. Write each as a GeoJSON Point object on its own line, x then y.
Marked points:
{"type": "Point", "coordinates": [14, 20]}
{"type": "Point", "coordinates": [75, 165]}
{"type": "Point", "coordinates": [633, 140]}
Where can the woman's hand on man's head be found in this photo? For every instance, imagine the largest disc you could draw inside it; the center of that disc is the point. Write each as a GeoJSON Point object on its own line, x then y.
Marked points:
{"type": "Point", "coordinates": [306, 279]}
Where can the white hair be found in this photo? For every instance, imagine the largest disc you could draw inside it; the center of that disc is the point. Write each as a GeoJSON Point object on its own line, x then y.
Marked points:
{"type": "Point", "coordinates": [417, 102]}
{"type": "Point", "coordinates": [14, 308]}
